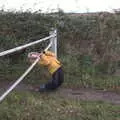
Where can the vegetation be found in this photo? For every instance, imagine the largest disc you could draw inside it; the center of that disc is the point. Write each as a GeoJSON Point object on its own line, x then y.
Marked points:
{"type": "Point", "coordinates": [88, 46]}
{"type": "Point", "coordinates": [34, 106]}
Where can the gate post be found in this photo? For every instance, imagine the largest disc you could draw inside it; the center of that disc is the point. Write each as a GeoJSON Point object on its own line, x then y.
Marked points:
{"type": "Point", "coordinates": [54, 42]}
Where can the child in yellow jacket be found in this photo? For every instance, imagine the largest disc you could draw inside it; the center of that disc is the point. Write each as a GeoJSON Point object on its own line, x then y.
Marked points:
{"type": "Point", "coordinates": [48, 59]}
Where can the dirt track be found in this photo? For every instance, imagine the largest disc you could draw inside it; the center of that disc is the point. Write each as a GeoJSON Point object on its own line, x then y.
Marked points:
{"type": "Point", "coordinates": [78, 94]}
{"type": "Point", "coordinates": [91, 95]}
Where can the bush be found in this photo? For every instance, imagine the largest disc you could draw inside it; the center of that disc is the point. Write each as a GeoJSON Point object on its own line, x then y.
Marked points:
{"type": "Point", "coordinates": [88, 44]}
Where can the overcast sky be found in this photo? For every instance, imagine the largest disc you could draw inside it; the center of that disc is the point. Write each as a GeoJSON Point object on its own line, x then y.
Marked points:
{"type": "Point", "coordinates": [66, 5]}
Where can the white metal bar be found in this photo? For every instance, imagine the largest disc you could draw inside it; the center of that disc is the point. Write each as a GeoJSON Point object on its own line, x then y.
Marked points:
{"type": "Point", "coordinates": [22, 77]}
{"type": "Point", "coordinates": [48, 46]}
{"type": "Point", "coordinates": [54, 42]}
{"type": "Point", "coordinates": [25, 46]}
{"type": "Point", "coordinates": [18, 80]}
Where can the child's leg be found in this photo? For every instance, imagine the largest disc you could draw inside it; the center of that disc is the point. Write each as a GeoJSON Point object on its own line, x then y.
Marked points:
{"type": "Point", "coordinates": [56, 81]}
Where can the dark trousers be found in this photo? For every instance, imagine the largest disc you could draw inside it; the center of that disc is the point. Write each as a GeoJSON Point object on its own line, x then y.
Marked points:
{"type": "Point", "coordinates": [56, 80]}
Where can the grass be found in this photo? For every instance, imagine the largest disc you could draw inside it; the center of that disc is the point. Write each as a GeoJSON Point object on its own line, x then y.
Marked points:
{"type": "Point", "coordinates": [83, 41]}
{"type": "Point", "coordinates": [81, 73]}
{"type": "Point", "coordinates": [36, 106]}
{"type": "Point", "coordinates": [78, 72]}
{"type": "Point", "coordinates": [76, 75]}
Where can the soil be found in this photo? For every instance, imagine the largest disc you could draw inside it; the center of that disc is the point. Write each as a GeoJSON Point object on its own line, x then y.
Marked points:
{"type": "Point", "coordinates": [91, 95]}
{"type": "Point", "coordinates": [78, 94]}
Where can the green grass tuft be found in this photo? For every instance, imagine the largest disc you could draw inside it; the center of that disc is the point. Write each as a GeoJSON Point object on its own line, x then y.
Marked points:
{"type": "Point", "coordinates": [36, 106]}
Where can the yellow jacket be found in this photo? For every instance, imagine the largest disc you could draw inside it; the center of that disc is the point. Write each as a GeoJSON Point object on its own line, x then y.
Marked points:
{"type": "Point", "coordinates": [49, 59]}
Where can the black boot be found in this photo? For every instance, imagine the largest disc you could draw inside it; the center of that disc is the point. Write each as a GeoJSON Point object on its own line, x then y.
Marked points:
{"type": "Point", "coordinates": [42, 88]}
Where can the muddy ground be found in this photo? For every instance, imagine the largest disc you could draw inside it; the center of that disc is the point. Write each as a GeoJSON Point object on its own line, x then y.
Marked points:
{"type": "Point", "coordinates": [78, 94]}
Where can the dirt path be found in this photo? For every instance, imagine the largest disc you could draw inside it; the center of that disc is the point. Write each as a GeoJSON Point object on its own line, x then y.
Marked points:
{"type": "Point", "coordinates": [78, 94]}
{"type": "Point", "coordinates": [91, 95]}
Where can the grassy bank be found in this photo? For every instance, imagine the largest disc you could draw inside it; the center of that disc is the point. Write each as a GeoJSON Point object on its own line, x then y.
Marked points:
{"type": "Point", "coordinates": [35, 106]}
{"type": "Point", "coordinates": [88, 46]}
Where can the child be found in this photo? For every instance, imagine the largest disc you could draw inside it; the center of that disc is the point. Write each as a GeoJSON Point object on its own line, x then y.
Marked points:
{"type": "Point", "coordinates": [49, 60]}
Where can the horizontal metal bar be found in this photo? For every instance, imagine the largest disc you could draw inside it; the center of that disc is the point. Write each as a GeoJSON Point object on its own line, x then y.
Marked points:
{"type": "Point", "coordinates": [25, 46]}
{"type": "Point", "coordinates": [22, 77]}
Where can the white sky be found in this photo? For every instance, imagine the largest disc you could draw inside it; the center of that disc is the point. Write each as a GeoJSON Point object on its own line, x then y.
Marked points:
{"type": "Point", "coordinates": [66, 5]}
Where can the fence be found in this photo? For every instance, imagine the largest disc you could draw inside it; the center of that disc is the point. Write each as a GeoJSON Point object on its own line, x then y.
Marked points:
{"type": "Point", "coordinates": [52, 45]}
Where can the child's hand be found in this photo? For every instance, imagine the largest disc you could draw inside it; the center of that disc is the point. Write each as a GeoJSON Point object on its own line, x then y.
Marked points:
{"type": "Point", "coordinates": [33, 56]}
